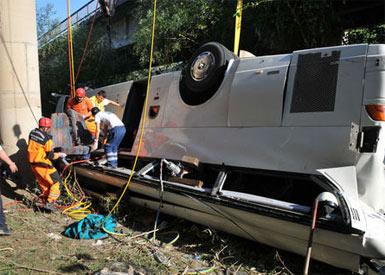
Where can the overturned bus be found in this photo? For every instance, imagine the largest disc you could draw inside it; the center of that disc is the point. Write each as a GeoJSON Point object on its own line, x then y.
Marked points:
{"type": "Point", "coordinates": [248, 144]}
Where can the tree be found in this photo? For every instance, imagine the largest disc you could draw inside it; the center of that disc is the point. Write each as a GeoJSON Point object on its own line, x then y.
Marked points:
{"type": "Point", "coordinates": [268, 27]}
{"type": "Point", "coordinates": [45, 20]}
{"type": "Point", "coordinates": [371, 35]}
{"type": "Point", "coordinates": [102, 65]}
{"type": "Point", "coordinates": [181, 27]}
{"type": "Point", "coordinates": [284, 26]}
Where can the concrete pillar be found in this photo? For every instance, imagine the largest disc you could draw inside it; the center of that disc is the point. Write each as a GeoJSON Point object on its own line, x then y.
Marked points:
{"type": "Point", "coordinates": [19, 79]}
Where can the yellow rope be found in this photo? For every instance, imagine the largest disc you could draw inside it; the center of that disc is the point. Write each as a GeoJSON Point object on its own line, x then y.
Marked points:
{"type": "Point", "coordinates": [137, 156]}
{"type": "Point", "coordinates": [142, 129]}
{"type": "Point", "coordinates": [65, 183]}
{"type": "Point", "coordinates": [71, 51]}
{"type": "Point", "coordinates": [80, 209]}
{"type": "Point", "coordinates": [238, 20]}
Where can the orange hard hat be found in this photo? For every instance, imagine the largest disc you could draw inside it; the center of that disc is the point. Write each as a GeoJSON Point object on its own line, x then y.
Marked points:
{"type": "Point", "coordinates": [45, 122]}
{"type": "Point", "coordinates": [80, 92]}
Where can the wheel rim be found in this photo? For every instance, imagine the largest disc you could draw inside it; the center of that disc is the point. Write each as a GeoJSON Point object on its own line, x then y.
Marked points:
{"type": "Point", "coordinates": [202, 66]}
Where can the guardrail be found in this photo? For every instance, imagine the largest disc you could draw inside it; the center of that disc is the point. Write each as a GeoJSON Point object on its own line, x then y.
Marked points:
{"type": "Point", "coordinates": [77, 17]}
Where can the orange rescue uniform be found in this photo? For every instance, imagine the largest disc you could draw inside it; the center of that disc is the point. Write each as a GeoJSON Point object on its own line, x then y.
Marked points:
{"type": "Point", "coordinates": [40, 155]}
{"type": "Point", "coordinates": [83, 107]}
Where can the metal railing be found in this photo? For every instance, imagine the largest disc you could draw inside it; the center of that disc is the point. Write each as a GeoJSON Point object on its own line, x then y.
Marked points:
{"type": "Point", "coordinates": [77, 17]}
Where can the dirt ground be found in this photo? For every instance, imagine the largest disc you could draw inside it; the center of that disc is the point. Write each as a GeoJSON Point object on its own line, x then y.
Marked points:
{"type": "Point", "coordinates": [38, 246]}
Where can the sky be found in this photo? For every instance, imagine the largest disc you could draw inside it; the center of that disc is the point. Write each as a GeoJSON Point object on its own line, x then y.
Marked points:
{"type": "Point", "coordinates": [60, 6]}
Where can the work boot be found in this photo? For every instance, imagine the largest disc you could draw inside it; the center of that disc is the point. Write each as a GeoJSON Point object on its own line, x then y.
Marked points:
{"type": "Point", "coordinates": [50, 206]}
{"type": "Point", "coordinates": [4, 231]}
{"type": "Point", "coordinates": [102, 162]}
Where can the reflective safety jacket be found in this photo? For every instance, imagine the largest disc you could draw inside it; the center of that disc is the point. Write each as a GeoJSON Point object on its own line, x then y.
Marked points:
{"type": "Point", "coordinates": [83, 107]}
{"type": "Point", "coordinates": [40, 149]}
{"type": "Point", "coordinates": [101, 105]}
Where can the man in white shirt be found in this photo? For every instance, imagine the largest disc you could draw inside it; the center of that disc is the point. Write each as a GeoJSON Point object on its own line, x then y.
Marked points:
{"type": "Point", "coordinates": [116, 130]}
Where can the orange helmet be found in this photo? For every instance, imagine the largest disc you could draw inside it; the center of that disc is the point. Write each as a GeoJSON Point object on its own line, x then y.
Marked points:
{"type": "Point", "coordinates": [45, 122]}
{"type": "Point", "coordinates": [80, 92]}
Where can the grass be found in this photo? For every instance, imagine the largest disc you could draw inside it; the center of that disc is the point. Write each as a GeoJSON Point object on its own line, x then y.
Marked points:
{"type": "Point", "coordinates": [31, 249]}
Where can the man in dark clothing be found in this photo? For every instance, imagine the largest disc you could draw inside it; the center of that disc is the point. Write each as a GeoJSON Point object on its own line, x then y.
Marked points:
{"type": "Point", "coordinates": [4, 231]}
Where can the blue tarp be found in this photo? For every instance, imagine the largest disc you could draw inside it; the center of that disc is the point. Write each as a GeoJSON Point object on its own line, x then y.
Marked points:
{"type": "Point", "coordinates": [90, 227]}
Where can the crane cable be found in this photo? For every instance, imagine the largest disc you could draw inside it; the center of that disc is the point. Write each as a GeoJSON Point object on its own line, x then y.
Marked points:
{"type": "Point", "coordinates": [70, 49]}
{"type": "Point", "coordinates": [139, 145]}
{"type": "Point", "coordinates": [88, 40]}
{"type": "Point", "coordinates": [78, 209]}
{"type": "Point", "coordinates": [135, 162]}
{"type": "Point", "coordinates": [72, 79]}
{"type": "Point", "coordinates": [142, 129]}
{"type": "Point", "coordinates": [239, 8]}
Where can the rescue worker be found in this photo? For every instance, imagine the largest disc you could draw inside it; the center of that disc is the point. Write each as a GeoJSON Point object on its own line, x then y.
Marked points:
{"type": "Point", "coordinates": [99, 100]}
{"type": "Point", "coordinates": [83, 105]}
{"type": "Point", "coordinates": [116, 131]}
{"type": "Point", "coordinates": [4, 231]}
{"type": "Point", "coordinates": [40, 155]}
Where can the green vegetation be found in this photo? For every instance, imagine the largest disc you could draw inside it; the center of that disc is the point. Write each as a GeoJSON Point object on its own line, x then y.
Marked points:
{"type": "Point", "coordinates": [181, 27]}
{"type": "Point", "coordinates": [284, 26]}
{"type": "Point", "coordinates": [102, 65]}
{"type": "Point", "coordinates": [371, 35]}
{"type": "Point", "coordinates": [45, 19]}
{"type": "Point", "coordinates": [268, 27]}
